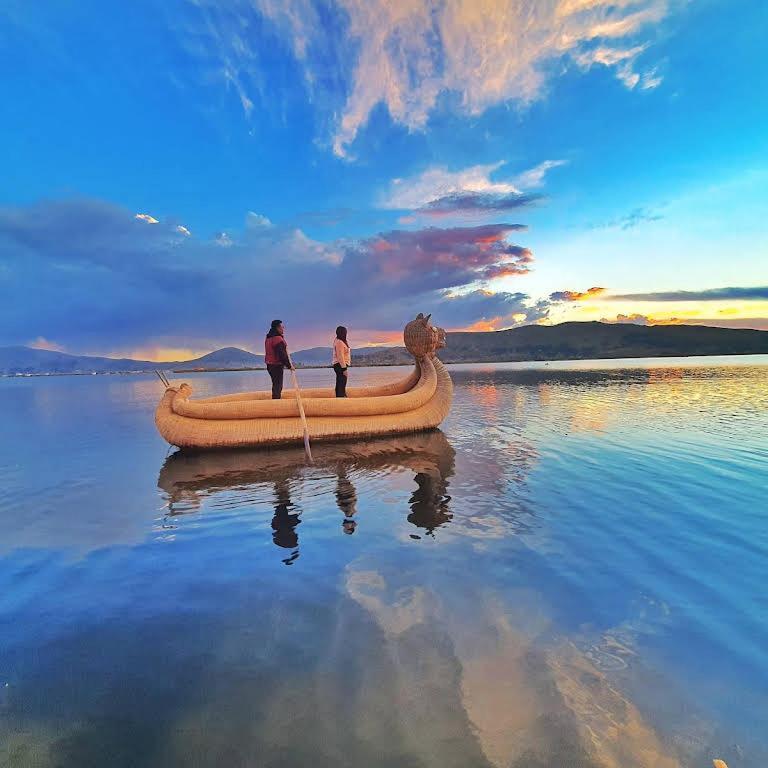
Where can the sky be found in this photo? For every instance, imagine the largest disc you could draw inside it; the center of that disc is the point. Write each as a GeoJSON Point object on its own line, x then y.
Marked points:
{"type": "Point", "coordinates": [174, 175]}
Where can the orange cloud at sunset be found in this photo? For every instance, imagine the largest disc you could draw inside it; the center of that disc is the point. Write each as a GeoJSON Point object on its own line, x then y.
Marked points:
{"type": "Point", "coordinates": [640, 319]}
{"type": "Point", "coordinates": [730, 313]}
{"type": "Point", "coordinates": [494, 323]}
{"type": "Point", "coordinates": [159, 354]}
{"type": "Point", "coordinates": [590, 293]}
{"type": "Point", "coordinates": [47, 344]}
{"type": "Point", "coordinates": [373, 338]}
{"type": "Point", "coordinates": [484, 325]}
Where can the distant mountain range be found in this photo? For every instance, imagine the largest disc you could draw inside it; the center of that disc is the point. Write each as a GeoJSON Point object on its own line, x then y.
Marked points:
{"type": "Point", "coordinates": [586, 341]}
{"type": "Point", "coordinates": [26, 360]}
{"type": "Point", "coordinates": [21, 360]}
{"type": "Point", "coordinates": [566, 341]}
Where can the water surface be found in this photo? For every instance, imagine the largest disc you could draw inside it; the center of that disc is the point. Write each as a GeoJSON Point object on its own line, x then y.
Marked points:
{"type": "Point", "coordinates": [570, 573]}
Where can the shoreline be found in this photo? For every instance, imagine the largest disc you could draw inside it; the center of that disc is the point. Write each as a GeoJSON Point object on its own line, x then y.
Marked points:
{"type": "Point", "coordinates": [48, 374]}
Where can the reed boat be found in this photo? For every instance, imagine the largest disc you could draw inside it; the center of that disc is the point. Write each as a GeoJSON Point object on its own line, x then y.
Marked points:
{"type": "Point", "coordinates": [415, 403]}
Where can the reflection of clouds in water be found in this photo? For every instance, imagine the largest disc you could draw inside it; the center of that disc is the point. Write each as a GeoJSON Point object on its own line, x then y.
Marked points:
{"type": "Point", "coordinates": [395, 612]}
{"type": "Point", "coordinates": [428, 657]}
{"type": "Point", "coordinates": [446, 678]}
{"type": "Point", "coordinates": [531, 701]}
{"type": "Point", "coordinates": [564, 401]}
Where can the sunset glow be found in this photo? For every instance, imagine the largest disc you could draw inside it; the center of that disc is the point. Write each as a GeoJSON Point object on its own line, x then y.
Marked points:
{"type": "Point", "coordinates": [441, 160]}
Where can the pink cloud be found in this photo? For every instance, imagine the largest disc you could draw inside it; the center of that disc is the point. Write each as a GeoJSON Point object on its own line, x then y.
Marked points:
{"type": "Point", "coordinates": [447, 257]}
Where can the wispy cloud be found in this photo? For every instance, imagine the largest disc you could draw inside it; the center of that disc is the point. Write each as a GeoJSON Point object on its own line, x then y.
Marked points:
{"type": "Point", "coordinates": [437, 182]}
{"type": "Point", "coordinates": [439, 191]}
{"type": "Point", "coordinates": [534, 177]}
{"type": "Point", "coordinates": [623, 62]}
{"type": "Point", "coordinates": [755, 293]}
{"type": "Point", "coordinates": [475, 202]}
{"type": "Point", "coordinates": [634, 218]}
{"type": "Point", "coordinates": [590, 293]}
{"type": "Point", "coordinates": [404, 55]}
{"type": "Point", "coordinates": [488, 52]}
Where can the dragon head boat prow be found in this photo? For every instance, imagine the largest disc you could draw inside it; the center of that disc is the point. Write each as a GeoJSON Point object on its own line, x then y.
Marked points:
{"type": "Point", "coordinates": [415, 403]}
{"type": "Point", "coordinates": [421, 338]}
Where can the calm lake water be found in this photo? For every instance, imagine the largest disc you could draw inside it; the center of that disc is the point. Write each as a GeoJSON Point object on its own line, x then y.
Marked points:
{"type": "Point", "coordinates": [572, 573]}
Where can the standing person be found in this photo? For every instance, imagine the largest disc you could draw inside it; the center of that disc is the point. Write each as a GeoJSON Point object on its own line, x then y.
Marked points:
{"type": "Point", "coordinates": [276, 357]}
{"type": "Point", "coordinates": [342, 359]}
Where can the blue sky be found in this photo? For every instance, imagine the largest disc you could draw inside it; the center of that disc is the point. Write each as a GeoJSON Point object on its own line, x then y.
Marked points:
{"type": "Point", "coordinates": [358, 161]}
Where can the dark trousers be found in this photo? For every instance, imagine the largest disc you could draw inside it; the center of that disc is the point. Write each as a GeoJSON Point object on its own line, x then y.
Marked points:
{"type": "Point", "coordinates": [276, 374]}
{"type": "Point", "coordinates": [341, 380]}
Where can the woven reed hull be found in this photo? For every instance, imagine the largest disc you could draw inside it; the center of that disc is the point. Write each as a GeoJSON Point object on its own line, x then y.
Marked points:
{"type": "Point", "coordinates": [239, 423]}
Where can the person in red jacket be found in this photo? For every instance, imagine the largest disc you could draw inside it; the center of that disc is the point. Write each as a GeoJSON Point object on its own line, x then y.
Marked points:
{"type": "Point", "coordinates": [276, 357]}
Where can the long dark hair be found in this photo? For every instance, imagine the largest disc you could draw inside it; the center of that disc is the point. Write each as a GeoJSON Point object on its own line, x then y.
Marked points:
{"type": "Point", "coordinates": [341, 333]}
{"type": "Point", "coordinates": [273, 329]}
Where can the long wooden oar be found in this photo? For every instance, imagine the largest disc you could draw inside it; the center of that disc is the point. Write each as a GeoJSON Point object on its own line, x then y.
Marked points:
{"type": "Point", "coordinates": [163, 378]}
{"type": "Point", "coordinates": [301, 411]}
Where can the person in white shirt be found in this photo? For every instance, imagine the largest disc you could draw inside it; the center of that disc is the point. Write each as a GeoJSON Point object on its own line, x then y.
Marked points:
{"type": "Point", "coordinates": [342, 359]}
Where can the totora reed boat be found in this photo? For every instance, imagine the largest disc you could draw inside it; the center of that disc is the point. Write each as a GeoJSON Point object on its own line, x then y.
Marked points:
{"type": "Point", "coordinates": [418, 402]}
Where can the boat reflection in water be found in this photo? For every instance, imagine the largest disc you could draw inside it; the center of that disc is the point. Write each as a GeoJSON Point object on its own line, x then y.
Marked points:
{"type": "Point", "coordinates": [259, 476]}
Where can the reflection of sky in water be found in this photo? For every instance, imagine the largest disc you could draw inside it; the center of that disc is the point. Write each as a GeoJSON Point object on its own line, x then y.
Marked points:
{"type": "Point", "coordinates": [571, 573]}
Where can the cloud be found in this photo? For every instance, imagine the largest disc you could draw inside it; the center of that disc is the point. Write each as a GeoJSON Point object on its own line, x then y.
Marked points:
{"type": "Point", "coordinates": [436, 182]}
{"type": "Point", "coordinates": [634, 218]}
{"type": "Point", "coordinates": [622, 60]}
{"type": "Point", "coordinates": [475, 202]}
{"type": "Point", "coordinates": [358, 54]}
{"type": "Point", "coordinates": [634, 319]}
{"type": "Point", "coordinates": [755, 293]}
{"type": "Point", "coordinates": [145, 217]}
{"type": "Point", "coordinates": [534, 177]}
{"type": "Point", "coordinates": [438, 191]}
{"type": "Point", "coordinates": [256, 221]}
{"type": "Point", "coordinates": [92, 276]}
{"type": "Point", "coordinates": [41, 343]}
{"type": "Point", "coordinates": [753, 323]}
{"type": "Point", "coordinates": [488, 52]}
{"type": "Point", "coordinates": [485, 310]}
{"type": "Point", "coordinates": [637, 319]}
{"type": "Point", "coordinates": [435, 258]}
{"type": "Point", "coordinates": [590, 293]}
